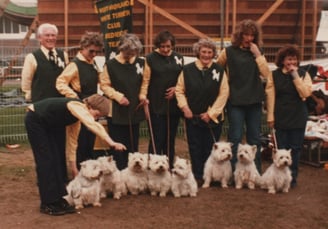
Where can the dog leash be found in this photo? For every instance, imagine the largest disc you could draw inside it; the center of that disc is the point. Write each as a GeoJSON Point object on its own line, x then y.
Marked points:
{"type": "Point", "coordinates": [208, 126]}
{"type": "Point", "coordinates": [168, 129]}
{"type": "Point", "coordinates": [146, 109]}
{"type": "Point", "coordinates": [275, 145]}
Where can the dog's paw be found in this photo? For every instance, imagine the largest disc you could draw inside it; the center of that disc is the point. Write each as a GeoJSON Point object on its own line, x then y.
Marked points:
{"type": "Point", "coordinates": [205, 185]}
{"type": "Point", "coordinates": [79, 207]}
{"type": "Point", "coordinates": [238, 186]}
{"type": "Point", "coordinates": [285, 190]}
{"type": "Point", "coordinates": [162, 194]}
{"type": "Point", "coordinates": [193, 194]}
{"type": "Point", "coordinates": [97, 204]}
{"type": "Point", "coordinates": [117, 196]}
{"type": "Point", "coordinates": [103, 195]}
{"type": "Point", "coordinates": [272, 191]}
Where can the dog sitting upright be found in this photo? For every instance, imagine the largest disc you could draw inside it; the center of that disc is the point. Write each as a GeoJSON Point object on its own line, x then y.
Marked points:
{"type": "Point", "coordinates": [183, 180]}
{"type": "Point", "coordinates": [110, 181]}
{"type": "Point", "coordinates": [277, 176]}
{"type": "Point", "coordinates": [246, 172]}
{"type": "Point", "coordinates": [218, 165]}
{"type": "Point", "coordinates": [84, 189]}
{"type": "Point", "coordinates": [159, 176]}
{"type": "Point", "coordinates": [135, 176]}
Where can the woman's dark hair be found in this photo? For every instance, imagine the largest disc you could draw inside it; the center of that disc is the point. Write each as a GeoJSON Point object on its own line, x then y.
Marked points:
{"type": "Point", "coordinates": [162, 37]}
{"type": "Point", "coordinates": [288, 50]}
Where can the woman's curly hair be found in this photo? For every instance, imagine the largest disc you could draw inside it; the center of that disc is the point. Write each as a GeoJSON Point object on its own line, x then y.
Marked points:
{"type": "Point", "coordinates": [247, 26]}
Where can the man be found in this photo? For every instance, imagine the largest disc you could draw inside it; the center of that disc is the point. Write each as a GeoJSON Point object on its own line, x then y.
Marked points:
{"type": "Point", "coordinates": [43, 66]}
{"type": "Point", "coordinates": [40, 71]}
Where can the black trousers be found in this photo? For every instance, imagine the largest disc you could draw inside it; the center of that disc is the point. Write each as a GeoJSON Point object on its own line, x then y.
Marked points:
{"type": "Point", "coordinates": [48, 146]}
{"type": "Point", "coordinates": [128, 136]}
{"type": "Point", "coordinates": [164, 132]}
{"type": "Point", "coordinates": [86, 142]}
{"type": "Point", "coordinates": [200, 142]}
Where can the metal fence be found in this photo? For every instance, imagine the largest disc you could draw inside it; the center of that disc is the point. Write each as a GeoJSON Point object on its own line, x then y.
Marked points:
{"type": "Point", "coordinates": [13, 105]}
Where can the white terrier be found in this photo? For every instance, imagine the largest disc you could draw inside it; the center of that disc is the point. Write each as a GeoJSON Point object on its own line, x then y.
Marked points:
{"type": "Point", "coordinates": [135, 175]}
{"type": "Point", "coordinates": [159, 176]}
{"type": "Point", "coordinates": [277, 176]}
{"type": "Point", "coordinates": [183, 180]}
{"type": "Point", "coordinates": [218, 165]}
{"type": "Point", "coordinates": [84, 189]}
{"type": "Point", "coordinates": [110, 181]}
{"type": "Point", "coordinates": [246, 172]}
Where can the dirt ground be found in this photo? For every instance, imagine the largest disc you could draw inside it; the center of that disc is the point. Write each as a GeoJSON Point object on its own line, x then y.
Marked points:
{"type": "Point", "coordinates": [305, 206]}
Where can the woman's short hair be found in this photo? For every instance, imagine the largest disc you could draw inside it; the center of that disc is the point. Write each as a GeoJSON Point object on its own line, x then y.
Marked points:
{"type": "Point", "coordinates": [162, 37]}
{"type": "Point", "coordinates": [130, 42]}
{"type": "Point", "coordinates": [91, 38]}
{"type": "Point", "coordinates": [204, 42]}
{"type": "Point", "coordinates": [287, 50]}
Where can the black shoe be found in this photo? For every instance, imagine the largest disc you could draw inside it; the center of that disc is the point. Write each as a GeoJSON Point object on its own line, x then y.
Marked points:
{"type": "Point", "coordinates": [52, 209]}
{"type": "Point", "coordinates": [66, 206]}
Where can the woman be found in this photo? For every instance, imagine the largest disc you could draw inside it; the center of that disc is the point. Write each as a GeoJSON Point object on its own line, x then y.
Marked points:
{"type": "Point", "coordinates": [202, 91]}
{"type": "Point", "coordinates": [165, 66]}
{"type": "Point", "coordinates": [79, 80]}
{"type": "Point", "coordinates": [42, 121]}
{"type": "Point", "coordinates": [121, 82]}
{"type": "Point", "coordinates": [287, 89]}
{"type": "Point", "coordinates": [245, 65]}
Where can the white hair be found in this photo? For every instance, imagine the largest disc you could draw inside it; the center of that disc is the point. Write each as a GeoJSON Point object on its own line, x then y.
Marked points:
{"type": "Point", "coordinates": [44, 26]}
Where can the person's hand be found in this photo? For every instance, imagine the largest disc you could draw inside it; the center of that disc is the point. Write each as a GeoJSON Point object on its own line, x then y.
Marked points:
{"type": "Point", "coordinates": [118, 146]}
{"type": "Point", "coordinates": [205, 117]}
{"type": "Point", "coordinates": [271, 124]}
{"type": "Point", "coordinates": [144, 103]}
{"type": "Point", "coordinates": [170, 93]}
{"type": "Point", "coordinates": [187, 112]}
{"type": "Point", "coordinates": [73, 168]}
{"type": "Point", "coordinates": [124, 101]}
{"type": "Point", "coordinates": [292, 69]}
{"type": "Point", "coordinates": [255, 50]}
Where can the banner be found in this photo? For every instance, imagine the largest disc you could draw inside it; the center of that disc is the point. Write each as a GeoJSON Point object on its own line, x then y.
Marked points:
{"type": "Point", "coordinates": [322, 35]}
{"type": "Point", "coordinates": [115, 18]}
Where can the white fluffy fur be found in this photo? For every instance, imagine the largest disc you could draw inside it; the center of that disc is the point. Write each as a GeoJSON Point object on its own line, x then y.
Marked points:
{"type": "Point", "coordinates": [135, 175]}
{"type": "Point", "coordinates": [159, 176]}
{"type": "Point", "coordinates": [277, 176]}
{"type": "Point", "coordinates": [218, 165]}
{"type": "Point", "coordinates": [183, 180]}
{"type": "Point", "coordinates": [111, 181]}
{"type": "Point", "coordinates": [84, 189]}
{"type": "Point", "coordinates": [246, 172]}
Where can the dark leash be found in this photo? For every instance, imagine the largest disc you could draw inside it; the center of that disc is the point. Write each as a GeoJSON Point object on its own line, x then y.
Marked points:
{"type": "Point", "coordinates": [275, 145]}
{"type": "Point", "coordinates": [168, 130]}
{"type": "Point", "coordinates": [208, 126]}
{"type": "Point", "coordinates": [146, 109]}
{"type": "Point", "coordinates": [131, 132]}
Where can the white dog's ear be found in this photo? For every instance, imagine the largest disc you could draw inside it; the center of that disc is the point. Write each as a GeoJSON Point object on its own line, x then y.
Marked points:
{"type": "Point", "coordinates": [254, 149]}
{"type": "Point", "coordinates": [83, 164]}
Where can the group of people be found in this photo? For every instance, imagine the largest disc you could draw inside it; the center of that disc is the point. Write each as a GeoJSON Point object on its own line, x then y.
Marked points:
{"type": "Point", "coordinates": [62, 120]}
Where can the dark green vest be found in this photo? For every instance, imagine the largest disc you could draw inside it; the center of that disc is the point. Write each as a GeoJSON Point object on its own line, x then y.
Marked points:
{"type": "Point", "coordinates": [290, 110]}
{"type": "Point", "coordinates": [45, 76]}
{"type": "Point", "coordinates": [165, 71]}
{"type": "Point", "coordinates": [127, 79]}
{"type": "Point", "coordinates": [53, 112]}
{"type": "Point", "coordinates": [202, 86]}
{"type": "Point", "coordinates": [245, 84]}
{"type": "Point", "coordinates": [88, 76]}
